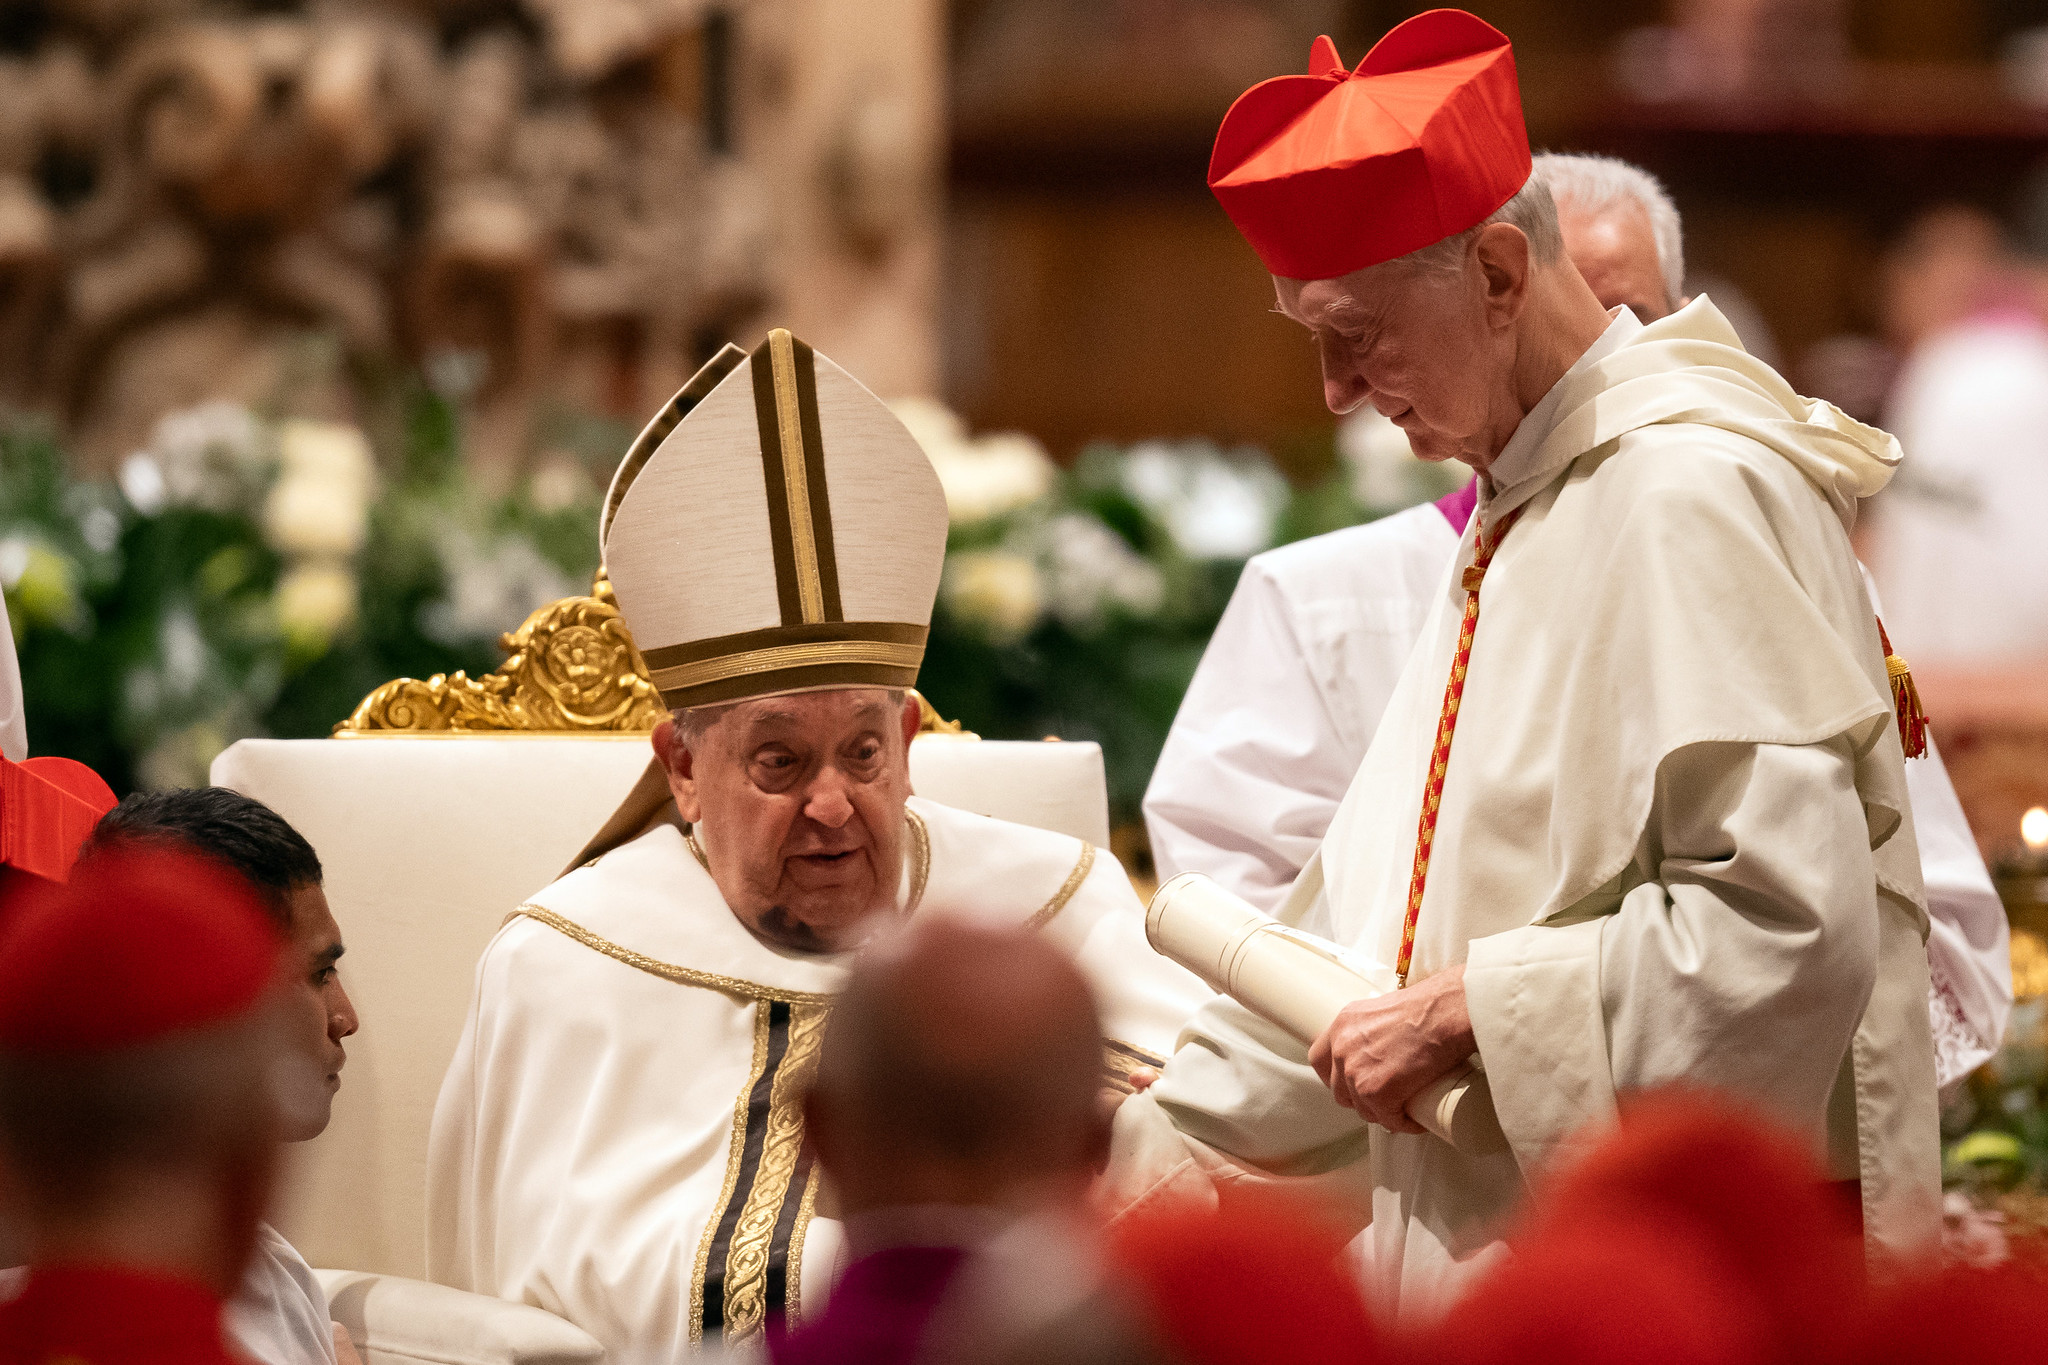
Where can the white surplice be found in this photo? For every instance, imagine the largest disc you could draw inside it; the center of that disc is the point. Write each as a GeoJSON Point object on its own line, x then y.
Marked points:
{"type": "Point", "coordinates": [1292, 687]}
{"type": "Point", "coordinates": [619, 1139]}
{"type": "Point", "coordinates": [279, 1316]}
{"type": "Point", "coordinates": [1674, 843]}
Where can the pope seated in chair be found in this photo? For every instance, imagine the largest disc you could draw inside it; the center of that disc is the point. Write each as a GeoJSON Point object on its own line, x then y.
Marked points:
{"type": "Point", "coordinates": [619, 1139]}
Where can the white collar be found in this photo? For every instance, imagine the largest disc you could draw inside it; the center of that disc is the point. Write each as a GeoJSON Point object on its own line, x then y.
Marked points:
{"type": "Point", "coordinates": [1516, 460]}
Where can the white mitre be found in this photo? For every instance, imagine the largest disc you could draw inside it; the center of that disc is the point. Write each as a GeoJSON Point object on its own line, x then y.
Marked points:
{"type": "Point", "coordinates": [784, 533]}
{"type": "Point", "coordinates": [774, 529]}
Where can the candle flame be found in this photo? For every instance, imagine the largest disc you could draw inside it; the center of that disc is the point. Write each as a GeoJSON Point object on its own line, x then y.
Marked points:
{"type": "Point", "coordinates": [2034, 828]}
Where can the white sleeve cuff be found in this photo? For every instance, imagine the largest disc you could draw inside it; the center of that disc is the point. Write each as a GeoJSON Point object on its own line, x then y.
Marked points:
{"type": "Point", "coordinates": [1534, 997]}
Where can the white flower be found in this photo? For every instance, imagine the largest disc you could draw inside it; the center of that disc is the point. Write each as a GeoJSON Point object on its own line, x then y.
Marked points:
{"type": "Point", "coordinates": [1217, 507]}
{"type": "Point", "coordinates": [315, 602]}
{"type": "Point", "coordinates": [320, 504]}
{"type": "Point", "coordinates": [1385, 475]}
{"type": "Point", "coordinates": [212, 456]}
{"type": "Point", "coordinates": [491, 588]}
{"type": "Point", "coordinates": [559, 484]}
{"type": "Point", "coordinates": [1089, 567]}
{"type": "Point", "coordinates": [998, 590]}
{"type": "Point", "coordinates": [1971, 1236]}
{"type": "Point", "coordinates": [935, 425]}
{"type": "Point", "coordinates": [983, 478]}
{"type": "Point", "coordinates": [142, 483]}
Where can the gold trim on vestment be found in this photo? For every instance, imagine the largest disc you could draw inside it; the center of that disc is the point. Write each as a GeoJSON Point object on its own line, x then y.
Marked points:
{"type": "Point", "coordinates": [682, 677]}
{"type": "Point", "coordinates": [732, 1165]}
{"type": "Point", "coordinates": [747, 1264]}
{"type": "Point", "coordinates": [921, 856]}
{"type": "Point", "coordinates": [1066, 891]}
{"type": "Point", "coordinates": [1120, 1059]}
{"type": "Point", "coordinates": [793, 1301]}
{"type": "Point", "coordinates": [668, 971]}
{"type": "Point", "coordinates": [796, 482]}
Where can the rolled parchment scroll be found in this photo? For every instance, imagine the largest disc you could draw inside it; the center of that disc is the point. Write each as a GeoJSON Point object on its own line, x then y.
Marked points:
{"type": "Point", "coordinates": [1299, 982]}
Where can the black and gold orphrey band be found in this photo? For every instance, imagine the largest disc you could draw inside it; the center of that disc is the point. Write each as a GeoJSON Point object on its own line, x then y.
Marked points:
{"type": "Point", "coordinates": [785, 377]}
{"type": "Point", "coordinates": [751, 1256]}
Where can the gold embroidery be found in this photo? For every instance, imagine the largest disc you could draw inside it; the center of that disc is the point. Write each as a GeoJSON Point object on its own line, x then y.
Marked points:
{"type": "Point", "coordinates": [795, 482]}
{"type": "Point", "coordinates": [1120, 1059]}
{"type": "Point", "coordinates": [732, 1173]}
{"type": "Point", "coordinates": [683, 677]}
{"type": "Point", "coordinates": [921, 870]}
{"type": "Point", "coordinates": [682, 976]}
{"type": "Point", "coordinates": [793, 1301]}
{"type": "Point", "coordinates": [1066, 891]}
{"type": "Point", "coordinates": [746, 1267]}
{"type": "Point", "coordinates": [921, 867]}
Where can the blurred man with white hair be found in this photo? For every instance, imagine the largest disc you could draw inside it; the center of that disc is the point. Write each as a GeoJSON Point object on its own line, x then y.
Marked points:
{"type": "Point", "coordinates": [1672, 843]}
{"type": "Point", "coordinates": [1295, 679]}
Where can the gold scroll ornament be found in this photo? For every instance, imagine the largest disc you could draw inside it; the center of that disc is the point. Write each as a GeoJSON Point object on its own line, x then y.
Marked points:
{"type": "Point", "coordinates": [571, 668]}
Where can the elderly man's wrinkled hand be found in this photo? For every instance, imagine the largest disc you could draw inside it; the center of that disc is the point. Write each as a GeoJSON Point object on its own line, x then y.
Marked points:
{"type": "Point", "coordinates": [1379, 1052]}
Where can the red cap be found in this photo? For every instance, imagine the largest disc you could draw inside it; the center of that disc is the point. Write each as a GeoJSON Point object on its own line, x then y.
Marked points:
{"type": "Point", "coordinates": [1731, 1191]}
{"type": "Point", "coordinates": [1244, 1287]}
{"type": "Point", "coordinates": [141, 944]}
{"type": "Point", "coordinates": [47, 808]}
{"type": "Point", "coordinates": [1332, 172]}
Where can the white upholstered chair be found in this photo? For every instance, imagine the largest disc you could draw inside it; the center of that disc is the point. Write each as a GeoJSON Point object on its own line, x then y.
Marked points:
{"type": "Point", "coordinates": [430, 834]}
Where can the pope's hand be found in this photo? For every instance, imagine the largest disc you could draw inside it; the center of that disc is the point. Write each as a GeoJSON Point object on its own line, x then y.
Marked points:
{"type": "Point", "coordinates": [1377, 1053]}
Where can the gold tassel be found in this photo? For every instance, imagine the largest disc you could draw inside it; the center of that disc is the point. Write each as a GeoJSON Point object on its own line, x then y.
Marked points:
{"type": "Point", "coordinates": [1905, 699]}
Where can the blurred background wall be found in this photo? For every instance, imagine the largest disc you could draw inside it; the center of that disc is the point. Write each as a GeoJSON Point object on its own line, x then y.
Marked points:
{"type": "Point", "coordinates": [322, 322]}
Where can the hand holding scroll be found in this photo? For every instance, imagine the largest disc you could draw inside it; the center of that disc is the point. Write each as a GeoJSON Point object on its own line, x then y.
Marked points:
{"type": "Point", "coordinates": [1380, 1052]}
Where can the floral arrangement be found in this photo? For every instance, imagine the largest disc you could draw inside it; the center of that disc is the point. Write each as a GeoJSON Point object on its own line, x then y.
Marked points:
{"type": "Point", "coordinates": [1995, 1159]}
{"type": "Point", "coordinates": [244, 575]}
{"type": "Point", "coordinates": [241, 576]}
{"type": "Point", "coordinates": [1077, 602]}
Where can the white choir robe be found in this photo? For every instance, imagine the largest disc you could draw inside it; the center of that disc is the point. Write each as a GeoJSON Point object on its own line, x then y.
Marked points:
{"type": "Point", "coordinates": [1292, 687]}
{"type": "Point", "coordinates": [1674, 840]}
{"type": "Point", "coordinates": [618, 1139]}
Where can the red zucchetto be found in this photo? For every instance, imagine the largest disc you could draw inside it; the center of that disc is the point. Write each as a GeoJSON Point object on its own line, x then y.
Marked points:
{"type": "Point", "coordinates": [47, 808]}
{"type": "Point", "coordinates": [1334, 171]}
{"type": "Point", "coordinates": [139, 945]}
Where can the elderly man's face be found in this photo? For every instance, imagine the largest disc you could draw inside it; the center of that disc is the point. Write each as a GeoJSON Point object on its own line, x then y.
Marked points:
{"type": "Point", "coordinates": [1433, 351]}
{"type": "Point", "coordinates": [798, 804]}
{"type": "Point", "coordinates": [1616, 251]}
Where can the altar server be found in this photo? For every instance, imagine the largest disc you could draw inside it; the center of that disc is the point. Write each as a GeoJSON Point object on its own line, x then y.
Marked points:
{"type": "Point", "coordinates": [1672, 841]}
{"type": "Point", "coordinates": [619, 1138]}
{"type": "Point", "coordinates": [1298, 673]}
{"type": "Point", "coordinates": [144, 1076]}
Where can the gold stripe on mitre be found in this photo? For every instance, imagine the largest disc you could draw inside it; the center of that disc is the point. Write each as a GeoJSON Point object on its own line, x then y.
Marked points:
{"type": "Point", "coordinates": [793, 470]}
{"type": "Point", "coordinates": [758, 663]}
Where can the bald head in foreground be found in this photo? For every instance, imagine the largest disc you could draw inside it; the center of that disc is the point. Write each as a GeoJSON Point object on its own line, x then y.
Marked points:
{"type": "Point", "coordinates": [961, 1070]}
{"type": "Point", "coordinates": [957, 1118]}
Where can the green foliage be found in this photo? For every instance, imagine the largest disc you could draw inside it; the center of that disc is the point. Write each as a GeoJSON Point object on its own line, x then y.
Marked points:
{"type": "Point", "coordinates": [1998, 1126]}
{"type": "Point", "coordinates": [156, 625]}
{"type": "Point", "coordinates": [252, 577]}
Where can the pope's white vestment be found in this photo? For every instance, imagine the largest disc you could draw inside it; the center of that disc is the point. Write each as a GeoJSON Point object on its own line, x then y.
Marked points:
{"type": "Point", "coordinates": [619, 1139]}
{"type": "Point", "coordinates": [1674, 843]}
{"type": "Point", "coordinates": [1292, 687]}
